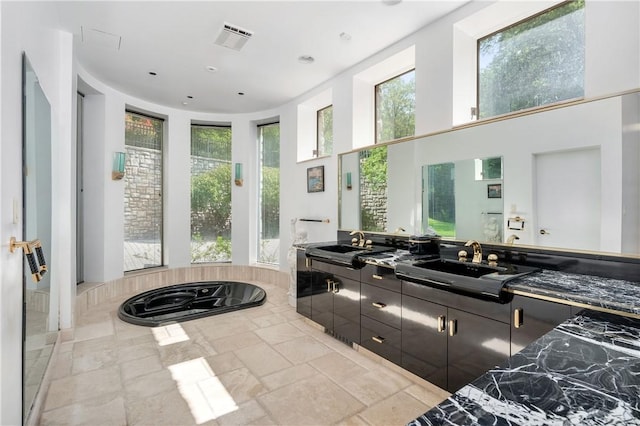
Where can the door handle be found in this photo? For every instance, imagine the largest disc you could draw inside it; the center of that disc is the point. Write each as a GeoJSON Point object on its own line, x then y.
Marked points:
{"type": "Point", "coordinates": [378, 339]}
{"type": "Point", "coordinates": [453, 327]}
{"type": "Point", "coordinates": [518, 317]}
{"type": "Point", "coordinates": [378, 305]}
{"type": "Point", "coordinates": [442, 324]}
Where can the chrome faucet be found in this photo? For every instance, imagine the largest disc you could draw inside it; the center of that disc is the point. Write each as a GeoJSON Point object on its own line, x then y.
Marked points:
{"type": "Point", "coordinates": [477, 251]}
{"type": "Point", "coordinates": [512, 238]}
{"type": "Point", "coordinates": [357, 241]}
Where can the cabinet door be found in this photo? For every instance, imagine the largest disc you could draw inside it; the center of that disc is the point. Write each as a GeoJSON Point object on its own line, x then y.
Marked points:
{"type": "Point", "coordinates": [346, 308]}
{"type": "Point", "coordinates": [303, 285]}
{"type": "Point", "coordinates": [322, 298]}
{"type": "Point", "coordinates": [475, 345]}
{"type": "Point", "coordinates": [532, 318]}
{"type": "Point", "coordinates": [424, 340]}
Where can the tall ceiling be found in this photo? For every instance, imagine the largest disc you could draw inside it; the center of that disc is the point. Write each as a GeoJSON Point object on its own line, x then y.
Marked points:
{"type": "Point", "coordinates": [122, 42]}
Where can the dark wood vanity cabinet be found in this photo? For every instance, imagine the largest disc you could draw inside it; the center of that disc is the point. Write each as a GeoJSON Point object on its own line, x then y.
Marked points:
{"type": "Point", "coordinates": [335, 300]}
{"type": "Point", "coordinates": [532, 318]}
{"type": "Point", "coordinates": [381, 307]}
{"type": "Point", "coordinates": [450, 347]}
{"type": "Point", "coordinates": [303, 284]}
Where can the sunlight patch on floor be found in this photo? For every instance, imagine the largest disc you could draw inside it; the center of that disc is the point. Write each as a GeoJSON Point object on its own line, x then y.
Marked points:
{"type": "Point", "coordinates": [202, 390]}
{"type": "Point", "coordinates": [169, 334]}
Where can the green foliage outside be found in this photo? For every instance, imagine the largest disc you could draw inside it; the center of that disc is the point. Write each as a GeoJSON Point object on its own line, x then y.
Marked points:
{"type": "Point", "coordinates": [325, 131]}
{"type": "Point", "coordinates": [441, 195]}
{"type": "Point", "coordinates": [270, 206]}
{"type": "Point", "coordinates": [210, 251]}
{"type": "Point", "coordinates": [395, 108]}
{"type": "Point", "coordinates": [444, 229]}
{"type": "Point", "coordinates": [211, 142]}
{"type": "Point", "coordinates": [373, 181]}
{"type": "Point", "coordinates": [536, 62]}
{"type": "Point", "coordinates": [211, 202]}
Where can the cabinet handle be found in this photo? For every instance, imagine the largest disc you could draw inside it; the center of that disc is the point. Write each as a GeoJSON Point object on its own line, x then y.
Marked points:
{"type": "Point", "coordinates": [336, 288]}
{"type": "Point", "coordinates": [378, 339]}
{"type": "Point", "coordinates": [307, 262]}
{"type": "Point", "coordinates": [518, 316]}
{"type": "Point", "coordinates": [453, 327]}
{"type": "Point", "coordinates": [379, 305]}
{"type": "Point", "coordinates": [329, 282]}
{"type": "Point", "coordinates": [442, 323]}
{"type": "Point", "coordinates": [376, 277]}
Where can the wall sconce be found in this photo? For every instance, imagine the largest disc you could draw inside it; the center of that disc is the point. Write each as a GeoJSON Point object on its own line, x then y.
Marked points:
{"type": "Point", "coordinates": [117, 172]}
{"type": "Point", "coordinates": [238, 174]}
{"type": "Point", "coordinates": [348, 180]}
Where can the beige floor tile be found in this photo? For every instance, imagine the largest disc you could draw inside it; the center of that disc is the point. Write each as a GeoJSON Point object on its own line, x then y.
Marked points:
{"type": "Point", "coordinates": [242, 385]}
{"type": "Point", "coordinates": [192, 348]}
{"type": "Point", "coordinates": [337, 366]}
{"type": "Point", "coordinates": [94, 360]}
{"type": "Point", "coordinates": [353, 421]}
{"type": "Point", "coordinates": [373, 386]}
{"type": "Point", "coordinates": [91, 412]}
{"type": "Point", "coordinates": [269, 320]}
{"type": "Point", "coordinates": [317, 401]}
{"type": "Point", "coordinates": [167, 408]}
{"type": "Point", "coordinates": [91, 331]}
{"type": "Point", "coordinates": [431, 395]}
{"type": "Point", "coordinates": [130, 370]}
{"type": "Point", "coordinates": [133, 352]}
{"type": "Point", "coordinates": [302, 349]}
{"type": "Point", "coordinates": [262, 359]}
{"type": "Point", "coordinates": [90, 346]}
{"type": "Point", "coordinates": [279, 333]}
{"type": "Point", "coordinates": [248, 413]}
{"type": "Point", "coordinates": [148, 385]}
{"type": "Point", "coordinates": [224, 362]}
{"type": "Point", "coordinates": [237, 341]}
{"type": "Point", "coordinates": [83, 386]}
{"type": "Point", "coordinates": [399, 409]}
{"type": "Point", "coordinates": [288, 376]}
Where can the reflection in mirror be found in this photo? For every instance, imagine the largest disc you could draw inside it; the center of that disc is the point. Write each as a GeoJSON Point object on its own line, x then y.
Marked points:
{"type": "Point", "coordinates": [39, 335]}
{"type": "Point", "coordinates": [463, 199]}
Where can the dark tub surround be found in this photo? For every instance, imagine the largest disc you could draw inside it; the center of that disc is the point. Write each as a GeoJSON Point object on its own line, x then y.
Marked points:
{"type": "Point", "coordinates": [586, 371]}
{"type": "Point", "coordinates": [590, 291]}
{"type": "Point", "coordinates": [185, 302]}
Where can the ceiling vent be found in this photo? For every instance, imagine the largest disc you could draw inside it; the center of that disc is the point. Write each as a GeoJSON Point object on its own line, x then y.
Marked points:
{"type": "Point", "coordinates": [233, 37]}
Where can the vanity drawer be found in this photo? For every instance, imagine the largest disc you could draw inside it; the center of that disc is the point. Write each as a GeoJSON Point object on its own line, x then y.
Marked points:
{"type": "Point", "coordinates": [380, 339]}
{"type": "Point", "coordinates": [342, 271]}
{"type": "Point", "coordinates": [381, 276]}
{"type": "Point", "coordinates": [381, 304]}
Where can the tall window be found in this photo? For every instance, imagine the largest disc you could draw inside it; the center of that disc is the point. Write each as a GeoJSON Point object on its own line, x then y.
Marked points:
{"type": "Point", "coordinates": [395, 107]}
{"type": "Point", "coordinates": [269, 175]}
{"type": "Point", "coordinates": [324, 145]}
{"type": "Point", "coordinates": [143, 192]}
{"type": "Point", "coordinates": [535, 62]}
{"type": "Point", "coordinates": [210, 194]}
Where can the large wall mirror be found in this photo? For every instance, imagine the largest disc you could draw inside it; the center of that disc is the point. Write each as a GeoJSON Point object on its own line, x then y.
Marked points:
{"type": "Point", "coordinates": [40, 326]}
{"type": "Point", "coordinates": [565, 177]}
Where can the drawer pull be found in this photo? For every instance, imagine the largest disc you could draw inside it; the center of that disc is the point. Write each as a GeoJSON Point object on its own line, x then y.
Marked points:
{"type": "Point", "coordinates": [442, 324]}
{"type": "Point", "coordinates": [376, 277]}
{"type": "Point", "coordinates": [378, 305]}
{"type": "Point", "coordinates": [336, 288]}
{"type": "Point", "coordinates": [453, 327]}
{"type": "Point", "coordinates": [518, 316]}
{"type": "Point", "coordinates": [329, 282]}
{"type": "Point", "coordinates": [378, 339]}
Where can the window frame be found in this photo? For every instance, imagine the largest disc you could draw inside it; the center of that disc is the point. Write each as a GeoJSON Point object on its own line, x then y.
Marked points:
{"type": "Point", "coordinates": [375, 105]}
{"type": "Point", "coordinates": [476, 112]}
{"type": "Point", "coordinates": [324, 152]}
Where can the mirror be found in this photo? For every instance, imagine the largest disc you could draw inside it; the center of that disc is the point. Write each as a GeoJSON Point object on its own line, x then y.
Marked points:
{"type": "Point", "coordinates": [464, 198]}
{"type": "Point", "coordinates": [570, 179]}
{"type": "Point", "coordinates": [40, 328]}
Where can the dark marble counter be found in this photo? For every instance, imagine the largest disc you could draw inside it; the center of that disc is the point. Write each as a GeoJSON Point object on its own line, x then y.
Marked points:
{"type": "Point", "coordinates": [584, 372]}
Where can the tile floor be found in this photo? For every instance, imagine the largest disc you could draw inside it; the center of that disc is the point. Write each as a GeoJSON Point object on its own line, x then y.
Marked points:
{"type": "Point", "coordinates": [260, 366]}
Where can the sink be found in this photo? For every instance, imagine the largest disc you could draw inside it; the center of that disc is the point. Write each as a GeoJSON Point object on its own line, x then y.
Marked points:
{"type": "Point", "coordinates": [343, 254]}
{"type": "Point", "coordinates": [478, 279]}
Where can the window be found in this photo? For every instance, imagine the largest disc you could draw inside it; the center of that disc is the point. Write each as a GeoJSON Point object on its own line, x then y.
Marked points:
{"type": "Point", "coordinates": [210, 194]}
{"type": "Point", "coordinates": [269, 195]}
{"type": "Point", "coordinates": [324, 140]}
{"type": "Point", "coordinates": [535, 62]}
{"type": "Point", "coordinates": [143, 192]}
{"type": "Point", "coordinates": [395, 107]}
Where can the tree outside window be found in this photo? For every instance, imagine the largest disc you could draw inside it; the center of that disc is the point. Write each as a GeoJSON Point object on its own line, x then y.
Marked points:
{"type": "Point", "coordinates": [395, 107]}
{"type": "Point", "coordinates": [324, 142]}
{"type": "Point", "coordinates": [535, 62]}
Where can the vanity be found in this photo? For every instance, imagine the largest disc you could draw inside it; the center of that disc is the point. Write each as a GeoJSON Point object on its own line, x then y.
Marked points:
{"type": "Point", "coordinates": [530, 354]}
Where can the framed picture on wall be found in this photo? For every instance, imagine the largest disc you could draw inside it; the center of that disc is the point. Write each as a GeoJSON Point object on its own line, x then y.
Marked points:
{"type": "Point", "coordinates": [494, 190]}
{"type": "Point", "coordinates": [315, 179]}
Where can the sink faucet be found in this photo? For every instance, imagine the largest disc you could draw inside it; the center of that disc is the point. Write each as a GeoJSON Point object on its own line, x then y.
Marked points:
{"type": "Point", "coordinates": [357, 241]}
{"type": "Point", "coordinates": [477, 250]}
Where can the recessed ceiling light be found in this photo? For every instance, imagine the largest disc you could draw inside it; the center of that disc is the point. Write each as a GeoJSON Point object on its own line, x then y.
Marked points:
{"type": "Point", "coordinates": [345, 36]}
{"type": "Point", "coordinates": [189, 97]}
{"type": "Point", "coordinates": [211, 68]}
{"type": "Point", "coordinates": [306, 59]}
{"type": "Point", "coordinates": [241, 93]}
{"type": "Point", "coordinates": [185, 103]}
{"type": "Point", "coordinates": [153, 73]}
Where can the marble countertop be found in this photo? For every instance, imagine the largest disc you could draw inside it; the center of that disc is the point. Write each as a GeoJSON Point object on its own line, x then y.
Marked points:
{"type": "Point", "coordinates": [584, 372]}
